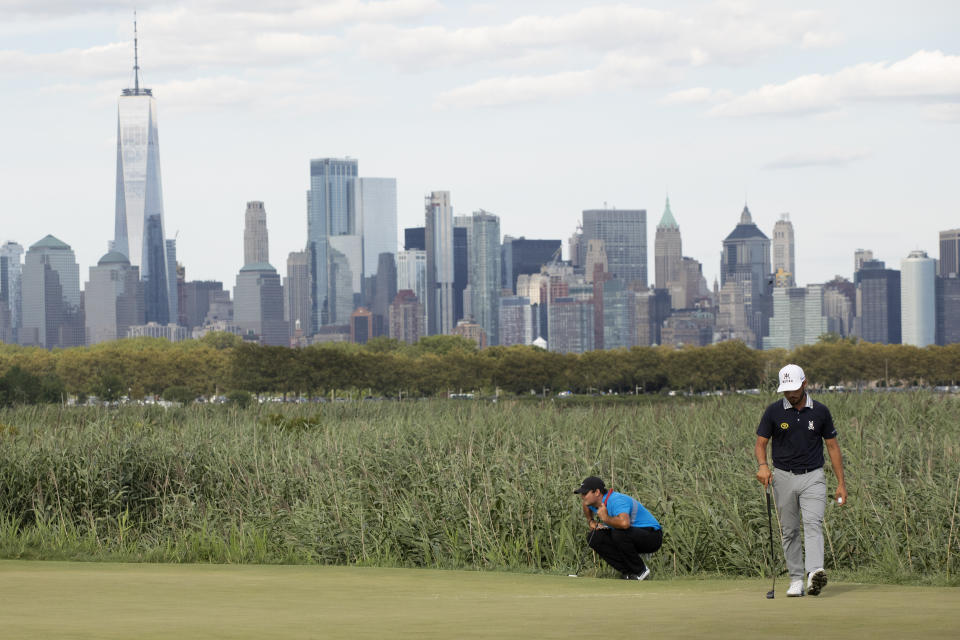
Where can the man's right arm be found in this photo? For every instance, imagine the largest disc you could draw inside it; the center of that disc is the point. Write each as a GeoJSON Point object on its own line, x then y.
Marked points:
{"type": "Point", "coordinates": [763, 467]}
{"type": "Point", "coordinates": [589, 516]}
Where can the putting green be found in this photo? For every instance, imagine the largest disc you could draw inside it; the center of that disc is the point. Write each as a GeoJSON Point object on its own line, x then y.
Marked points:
{"type": "Point", "coordinates": [92, 600]}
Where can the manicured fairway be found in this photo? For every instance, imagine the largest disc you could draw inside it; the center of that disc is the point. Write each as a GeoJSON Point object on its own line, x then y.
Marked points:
{"type": "Point", "coordinates": [87, 600]}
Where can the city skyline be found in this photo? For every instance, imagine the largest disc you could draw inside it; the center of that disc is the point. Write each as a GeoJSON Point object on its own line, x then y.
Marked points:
{"type": "Point", "coordinates": [839, 118]}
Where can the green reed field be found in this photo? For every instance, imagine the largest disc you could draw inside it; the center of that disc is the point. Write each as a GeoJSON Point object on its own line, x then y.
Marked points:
{"type": "Point", "coordinates": [466, 484]}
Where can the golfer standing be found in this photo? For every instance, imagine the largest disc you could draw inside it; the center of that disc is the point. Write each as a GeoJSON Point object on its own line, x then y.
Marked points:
{"type": "Point", "coordinates": [625, 528]}
{"type": "Point", "coordinates": [799, 426]}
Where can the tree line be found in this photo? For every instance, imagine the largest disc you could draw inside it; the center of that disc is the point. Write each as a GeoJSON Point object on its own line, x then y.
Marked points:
{"type": "Point", "coordinates": [220, 363]}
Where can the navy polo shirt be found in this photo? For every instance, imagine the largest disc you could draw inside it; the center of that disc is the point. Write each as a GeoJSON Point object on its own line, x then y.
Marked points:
{"type": "Point", "coordinates": [797, 435]}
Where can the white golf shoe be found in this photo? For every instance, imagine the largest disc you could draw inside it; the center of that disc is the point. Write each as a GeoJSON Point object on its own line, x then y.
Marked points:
{"type": "Point", "coordinates": [816, 581]}
{"type": "Point", "coordinates": [796, 589]}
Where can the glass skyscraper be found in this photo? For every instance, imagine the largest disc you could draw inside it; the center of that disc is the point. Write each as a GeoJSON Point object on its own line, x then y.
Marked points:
{"type": "Point", "coordinates": [378, 208]}
{"type": "Point", "coordinates": [485, 273]}
{"type": "Point", "coordinates": [440, 262]}
{"type": "Point", "coordinates": [138, 222]}
{"type": "Point", "coordinates": [332, 211]}
{"type": "Point", "coordinates": [624, 236]}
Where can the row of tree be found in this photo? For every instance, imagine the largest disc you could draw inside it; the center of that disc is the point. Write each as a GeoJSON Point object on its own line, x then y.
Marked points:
{"type": "Point", "coordinates": [220, 363]}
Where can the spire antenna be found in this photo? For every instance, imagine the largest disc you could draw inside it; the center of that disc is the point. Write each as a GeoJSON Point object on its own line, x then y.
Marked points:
{"type": "Point", "coordinates": [136, 63]}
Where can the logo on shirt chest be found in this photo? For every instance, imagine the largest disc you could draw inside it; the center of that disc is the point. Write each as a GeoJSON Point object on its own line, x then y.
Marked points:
{"type": "Point", "coordinates": [784, 425]}
{"type": "Point", "coordinates": [810, 426]}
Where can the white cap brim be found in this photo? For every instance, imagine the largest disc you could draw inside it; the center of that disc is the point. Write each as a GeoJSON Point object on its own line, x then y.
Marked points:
{"type": "Point", "coordinates": [789, 386]}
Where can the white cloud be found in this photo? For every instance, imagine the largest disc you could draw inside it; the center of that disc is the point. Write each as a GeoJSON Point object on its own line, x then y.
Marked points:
{"type": "Point", "coordinates": [327, 12]}
{"type": "Point", "coordinates": [695, 95]}
{"type": "Point", "coordinates": [210, 33]}
{"type": "Point", "coordinates": [495, 92]}
{"type": "Point", "coordinates": [274, 92]}
{"type": "Point", "coordinates": [615, 71]}
{"type": "Point", "coordinates": [922, 76]}
{"type": "Point", "coordinates": [818, 158]}
{"type": "Point", "coordinates": [821, 39]}
{"type": "Point", "coordinates": [722, 34]}
{"type": "Point", "coordinates": [945, 112]}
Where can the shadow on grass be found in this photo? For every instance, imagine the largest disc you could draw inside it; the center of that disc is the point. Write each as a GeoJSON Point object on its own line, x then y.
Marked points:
{"type": "Point", "coordinates": [841, 589]}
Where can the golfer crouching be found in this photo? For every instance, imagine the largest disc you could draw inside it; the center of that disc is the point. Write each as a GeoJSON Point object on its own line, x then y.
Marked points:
{"type": "Point", "coordinates": [624, 531]}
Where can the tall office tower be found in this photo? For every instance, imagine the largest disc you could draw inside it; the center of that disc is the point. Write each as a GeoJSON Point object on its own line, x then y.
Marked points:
{"type": "Point", "coordinates": [619, 317]}
{"type": "Point", "coordinates": [918, 307]}
{"type": "Point", "coordinates": [361, 325]}
{"type": "Point", "coordinates": [746, 262]}
{"type": "Point", "coordinates": [786, 325]}
{"type": "Point", "coordinates": [412, 273]}
{"type": "Point", "coordinates": [577, 247]}
{"type": "Point", "coordinates": [181, 295]}
{"type": "Point", "coordinates": [112, 299]}
{"type": "Point", "coordinates": [439, 240]}
{"type": "Point", "coordinates": [11, 269]}
{"type": "Point", "coordinates": [624, 235]}
{"type": "Point", "coordinates": [461, 271]}
{"type": "Point", "coordinates": [138, 221]}
{"type": "Point", "coordinates": [595, 278]}
{"type": "Point", "coordinates": [485, 272]}
{"type": "Point", "coordinates": [380, 290]}
{"type": "Point", "coordinates": [838, 297]}
{"type": "Point", "coordinates": [406, 317]}
{"type": "Point", "coordinates": [814, 320]}
{"type": "Point", "coordinates": [520, 256]}
{"type": "Point", "coordinates": [220, 310]}
{"type": "Point", "coordinates": [196, 300]}
{"type": "Point", "coordinates": [518, 324]}
{"type": "Point", "coordinates": [732, 319]}
{"type": "Point", "coordinates": [877, 316]}
{"type": "Point", "coordinates": [553, 278]}
{"type": "Point", "coordinates": [653, 308]}
{"type": "Point", "coordinates": [52, 312]}
{"type": "Point", "coordinates": [949, 253]}
{"type": "Point", "coordinates": [415, 238]}
{"type": "Point", "coordinates": [692, 286]}
{"type": "Point", "coordinates": [258, 305]}
{"type": "Point", "coordinates": [298, 309]}
{"type": "Point", "coordinates": [948, 309]}
{"type": "Point", "coordinates": [688, 328]}
{"type": "Point", "coordinates": [377, 207]}
{"type": "Point", "coordinates": [173, 295]}
{"type": "Point", "coordinates": [784, 250]}
{"type": "Point", "coordinates": [336, 249]}
{"type": "Point", "coordinates": [471, 331]}
{"type": "Point", "coordinates": [529, 286]}
{"type": "Point", "coordinates": [667, 254]}
{"type": "Point", "coordinates": [571, 325]}
{"type": "Point", "coordinates": [798, 317]}
{"type": "Point", "coordinates": [256, 246]}
{"type": "Point", "coordinates": [596, 260]}
{"type": "Point", "coordinates": [859, 257]}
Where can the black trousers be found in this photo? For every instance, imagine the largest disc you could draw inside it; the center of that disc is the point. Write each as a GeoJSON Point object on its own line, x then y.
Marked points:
{"type": "Point", "coordinates": [621, 548]}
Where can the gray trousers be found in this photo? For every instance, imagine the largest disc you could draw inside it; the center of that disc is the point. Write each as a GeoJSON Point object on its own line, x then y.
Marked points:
{"type": "Point", "coordinates": [801, 499]}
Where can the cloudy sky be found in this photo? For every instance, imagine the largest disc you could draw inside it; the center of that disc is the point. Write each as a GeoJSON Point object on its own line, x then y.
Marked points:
{"type": "Point", "coordinates": [846, 115]}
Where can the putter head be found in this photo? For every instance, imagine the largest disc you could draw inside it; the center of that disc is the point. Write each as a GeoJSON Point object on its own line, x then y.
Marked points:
{"type": "Point", "coordinates": [769, 595]}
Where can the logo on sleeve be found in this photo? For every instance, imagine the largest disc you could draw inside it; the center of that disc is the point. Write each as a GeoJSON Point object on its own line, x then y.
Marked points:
{"type": "Point", "coordinates": [784, 425]}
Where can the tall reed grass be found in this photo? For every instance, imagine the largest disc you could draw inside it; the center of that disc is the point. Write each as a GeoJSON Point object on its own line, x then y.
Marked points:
{"type": "Point", "coordinates": [463, 484]}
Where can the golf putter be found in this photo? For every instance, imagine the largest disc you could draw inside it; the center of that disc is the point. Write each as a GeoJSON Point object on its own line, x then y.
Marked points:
{"type": "Point", "coordinates": [773, 570]}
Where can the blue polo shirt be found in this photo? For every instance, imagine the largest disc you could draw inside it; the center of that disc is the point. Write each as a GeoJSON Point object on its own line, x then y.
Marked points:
{"type": "Point", "coordinates": [797, 435]}
{"type": "Point", "coordinates": [618, 503]}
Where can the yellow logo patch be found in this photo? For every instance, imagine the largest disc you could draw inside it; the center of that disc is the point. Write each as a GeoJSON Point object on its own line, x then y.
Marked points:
{"type": "Point", "coordinates": [784, 425]}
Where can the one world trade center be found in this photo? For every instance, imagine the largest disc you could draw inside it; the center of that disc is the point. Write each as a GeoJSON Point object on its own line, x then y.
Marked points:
{"type": "Point", "coordinates": [138, 225]}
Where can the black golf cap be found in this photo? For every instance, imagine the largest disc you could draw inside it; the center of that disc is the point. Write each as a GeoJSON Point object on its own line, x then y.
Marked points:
{"type": "Point", "coordinates": [589, 484]}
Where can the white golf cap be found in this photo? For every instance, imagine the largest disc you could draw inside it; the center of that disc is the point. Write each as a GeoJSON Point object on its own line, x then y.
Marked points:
{"type": "Point", "coordinates": [791, 378]}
